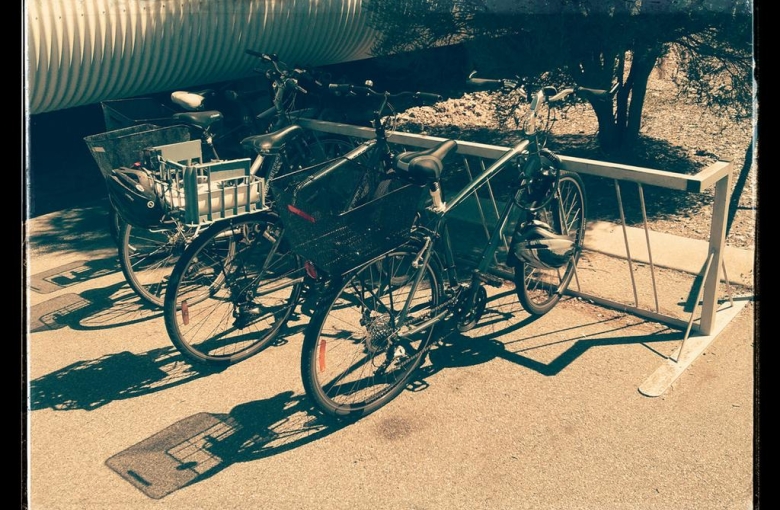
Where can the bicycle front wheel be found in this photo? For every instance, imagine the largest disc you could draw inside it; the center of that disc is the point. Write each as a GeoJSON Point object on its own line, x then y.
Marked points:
{"type": "Point", "coordinates": [232, 291]}
{"type": "Point", "coordinates": [539, 290]}
{"type": "Point", "coordinates": [147, 257]}
{"type": "Point", "coordinates": [358, 352]}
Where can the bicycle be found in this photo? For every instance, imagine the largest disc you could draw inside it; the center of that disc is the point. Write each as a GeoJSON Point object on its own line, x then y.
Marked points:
{"type": "Point", "coordinates": [372, 330]}
{"type": "Point", "coordinates": [148, 250]}
{"type": "Point", "coordinates": [238, 283]}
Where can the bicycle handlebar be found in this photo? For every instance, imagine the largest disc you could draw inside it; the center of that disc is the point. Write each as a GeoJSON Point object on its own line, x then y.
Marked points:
{"type": "Point", "coordinates": [492, 84]}
{"type": "Point", "coordinates": [284, 76]}
{"type": "Point", "coordinates": [550, 93]}
{"type": "Point", "coordinates": [263, 56]}
{"type": "Point", "coordinates": [340, 88]}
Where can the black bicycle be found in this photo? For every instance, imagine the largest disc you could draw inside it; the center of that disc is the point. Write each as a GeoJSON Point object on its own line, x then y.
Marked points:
{"type": "Point", "coordinates": [372, 329]}
{"type": "Point", "coordinates": [149, 246]}
{"type": "Point", "coordinates": [238, 283]}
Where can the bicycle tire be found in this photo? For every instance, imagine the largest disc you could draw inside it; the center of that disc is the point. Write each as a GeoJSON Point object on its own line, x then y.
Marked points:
{"type": "Point", "coordinates": [539, 290]}
{"type": "Point", "coordinates": [147, 257]}
{"type": "Point", "coordinates": [353, 359]}
{"type": "Point", "coordinates": [232, 291]}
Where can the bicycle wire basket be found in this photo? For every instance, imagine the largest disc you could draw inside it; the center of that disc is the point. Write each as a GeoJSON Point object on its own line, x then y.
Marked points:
{"type": "Point", "coordinates": [197, 192]}
{"type": "Point", "coordinates": [337, 238]}
{"type": "Point", "coordinates": [124, 147]}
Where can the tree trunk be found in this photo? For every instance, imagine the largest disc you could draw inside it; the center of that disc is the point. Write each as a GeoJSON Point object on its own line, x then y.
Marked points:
{"type": "Point", "coordinates": [641, 67]}
{"type": "Point", "coordinates": [609, 133]}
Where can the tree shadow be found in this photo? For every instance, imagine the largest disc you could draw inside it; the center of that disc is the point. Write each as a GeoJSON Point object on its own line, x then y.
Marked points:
{"type": "Point", "coordinates": [71, 231]}
{"type": "Point", "coordinates": [654, 153]}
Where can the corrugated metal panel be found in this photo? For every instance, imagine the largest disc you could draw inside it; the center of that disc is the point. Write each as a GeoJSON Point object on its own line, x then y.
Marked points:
{"type": "Point", "coordinates": [85, 51]}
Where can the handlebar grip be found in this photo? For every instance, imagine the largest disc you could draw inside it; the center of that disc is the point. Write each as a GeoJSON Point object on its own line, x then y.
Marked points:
{"type": "Point", "coordinates": [339, 87]}
{"type": "Point", "coordinates": [426, 96]}
{"type": "Point", "coordinates": [595, 94]}
{"type": "Point", "coordinates": [553, 96]}
{"type": "Point", "coordinates": [484, 83]}
{"type": "Point", "coordinates": [266, 114]}
{"type": "Point", "coordinates": [262, 56]}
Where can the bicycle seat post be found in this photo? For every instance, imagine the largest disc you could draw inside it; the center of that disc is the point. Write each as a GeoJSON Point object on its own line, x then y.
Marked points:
{"type": "Point", "coordinates": [207, 139]}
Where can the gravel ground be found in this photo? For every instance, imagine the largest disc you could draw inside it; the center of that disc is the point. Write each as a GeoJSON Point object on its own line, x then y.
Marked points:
{"type": "Point", "coordinates": [677, 135]}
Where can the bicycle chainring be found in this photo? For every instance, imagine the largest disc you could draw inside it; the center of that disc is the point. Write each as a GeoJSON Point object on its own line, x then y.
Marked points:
{"type": "Point", "coordinates": [468, 314]}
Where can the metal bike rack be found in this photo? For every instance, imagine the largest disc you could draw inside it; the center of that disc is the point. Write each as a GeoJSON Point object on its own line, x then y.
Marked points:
{"type": "Point", "coordinates": [713, 317]}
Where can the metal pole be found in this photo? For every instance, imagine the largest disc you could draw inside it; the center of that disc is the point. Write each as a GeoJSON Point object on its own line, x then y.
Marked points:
{"type": "Point", "coordinates": [625, 239]}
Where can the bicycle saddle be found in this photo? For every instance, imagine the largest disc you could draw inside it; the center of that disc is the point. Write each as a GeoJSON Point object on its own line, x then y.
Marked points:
{"type": "Point", "coordinates": [423, 167]}
{"type": "Point", "coordinates": [203, 120]}
{"type": "Point", "coordinates": [188, 100]}
{"type": "Point", "coordinates": [272, 141]}
{"type": "Point", "coordinates": [594, 94]}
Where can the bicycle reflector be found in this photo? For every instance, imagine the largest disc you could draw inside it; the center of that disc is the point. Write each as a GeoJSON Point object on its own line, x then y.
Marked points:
{"type": "Point", "coordinates": [300, 213]}
{"type": "Point", "coordinates": [311, 270]}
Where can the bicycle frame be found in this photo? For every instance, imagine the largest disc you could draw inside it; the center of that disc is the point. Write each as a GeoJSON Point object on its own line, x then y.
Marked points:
{"type": "Point", "coordinates": [529, 147]}
{"type": "Point", "coordinates": [440, 230]}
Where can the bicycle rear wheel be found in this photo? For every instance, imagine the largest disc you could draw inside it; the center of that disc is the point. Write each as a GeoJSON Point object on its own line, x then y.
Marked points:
{"type": "Point", "coordinates": [147, 257]}
{"type": "Point", "coordinates": [355, 358]}
{"type": "Point", "coordinates": [539, 290]}
{"type": "Point", "coordinates": [232, 291]}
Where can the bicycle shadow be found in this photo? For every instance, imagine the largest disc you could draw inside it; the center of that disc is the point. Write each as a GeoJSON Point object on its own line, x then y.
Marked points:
{"type": "Point", "coordinates": [90, 384]}
{"type": "Point", "coordinates": [108, 307]}
{"type": "Point", "coordinates": [116, 306]}
{"type": "Point", "coordinates": [204, 444]}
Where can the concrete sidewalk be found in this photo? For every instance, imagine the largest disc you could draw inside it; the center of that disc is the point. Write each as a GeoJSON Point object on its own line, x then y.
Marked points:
{"type": "Point", "coordinates": [669, 251]}
{"type": "Point", "coordinates": [518, 413]}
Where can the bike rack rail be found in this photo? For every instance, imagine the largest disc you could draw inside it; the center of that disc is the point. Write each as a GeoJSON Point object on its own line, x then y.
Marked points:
{"type": "Point", "coordinates": [713, 317]}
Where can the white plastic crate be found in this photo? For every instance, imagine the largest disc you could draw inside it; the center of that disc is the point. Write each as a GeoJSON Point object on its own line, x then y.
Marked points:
{"type": "Point", "coordinates": [207, 192]}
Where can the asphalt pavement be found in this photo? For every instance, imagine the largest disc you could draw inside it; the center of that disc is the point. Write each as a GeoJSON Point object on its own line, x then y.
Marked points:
{"type": "Point", "coordinates": [517, 413]}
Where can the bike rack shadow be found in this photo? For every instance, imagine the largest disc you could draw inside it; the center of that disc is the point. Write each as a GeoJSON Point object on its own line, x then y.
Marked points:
{"type": "Point", "coordinates": [200, 446]}
{"type": "Point", "coordinates": [462, 351]}
{"type": "Point", "coordinates": [459, 350]}
{"type": "Point", "coordinates": [90, 384]}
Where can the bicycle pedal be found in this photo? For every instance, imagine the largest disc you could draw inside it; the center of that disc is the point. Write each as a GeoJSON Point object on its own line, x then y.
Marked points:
{"type": "Point", "coordinates": [492, 280]}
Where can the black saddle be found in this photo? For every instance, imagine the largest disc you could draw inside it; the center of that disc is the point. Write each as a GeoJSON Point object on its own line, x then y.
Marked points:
{"type": "Point", "coordinates": [203, 120]}
{"type": "Point", "coordinates": [272, 141]}
{"type": "Point", "coordinates": [423, 167]}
